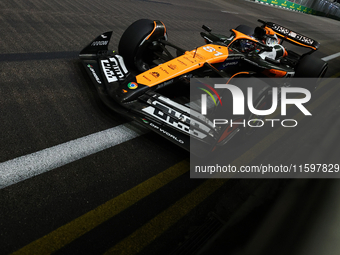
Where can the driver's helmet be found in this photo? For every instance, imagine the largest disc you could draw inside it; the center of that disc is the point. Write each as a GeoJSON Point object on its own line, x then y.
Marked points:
{"type": "Point", "coordinates": [247, 45]}
{"type": "Point", "coordinates": [267, 36]}
{"type": "Point", "coordinates": [271, 40]}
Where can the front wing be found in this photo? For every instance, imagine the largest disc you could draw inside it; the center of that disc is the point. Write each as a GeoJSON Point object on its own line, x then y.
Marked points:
{"type": "Point", "coordinates": [117, 87]}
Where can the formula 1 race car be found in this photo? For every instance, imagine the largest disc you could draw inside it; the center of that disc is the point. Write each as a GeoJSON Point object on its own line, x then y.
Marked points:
{"type": "Point", "coordinates": [147, 80]}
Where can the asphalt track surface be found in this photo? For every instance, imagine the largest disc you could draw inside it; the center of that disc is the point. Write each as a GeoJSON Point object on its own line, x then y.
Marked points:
{"type": "Point", "coordinates": [133, 195]}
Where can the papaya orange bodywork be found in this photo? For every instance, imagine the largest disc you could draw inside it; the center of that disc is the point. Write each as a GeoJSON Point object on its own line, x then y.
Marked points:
{"type": "Point", "coordinates": [239, 73]}
{"type": "Point", "coordinates": [275, 73]}
{"type": "Point", "coordinates": [154, 28]}
{"type": "Point", "coordinates": [188, 62]}
{"type": "Point", "coordinates": [239, 35]}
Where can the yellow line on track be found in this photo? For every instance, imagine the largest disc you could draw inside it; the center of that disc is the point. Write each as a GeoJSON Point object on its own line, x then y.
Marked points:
{"type": "Point", "coordinates": [158, 225]}
{"type": "Point", "coordinates": [155, 227]}
{"type": "Point", "coordinates": [150, 231]}
{"type": "Point", "coordinates": [85, 223]}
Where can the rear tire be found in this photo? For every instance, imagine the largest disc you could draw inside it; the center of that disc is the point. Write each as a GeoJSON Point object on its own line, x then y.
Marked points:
{"type": "Point", "coordinates": [311, 67]}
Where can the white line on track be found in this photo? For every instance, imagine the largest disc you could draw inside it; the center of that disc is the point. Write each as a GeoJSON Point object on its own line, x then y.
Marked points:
{"type": "Point", "coordinates": [230, 12]}
{"type": "Point", "coordinates": [331, 57]}
{"type": "Point", "coordinates": [22, 168]}
{"type": "Point", "coordinates": [25, 167]}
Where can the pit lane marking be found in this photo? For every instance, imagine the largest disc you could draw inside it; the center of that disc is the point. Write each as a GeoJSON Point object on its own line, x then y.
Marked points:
{"type": "Point", "coordinates": [25, 167]}
{"type": "Point", "coordinates": [330, 57]}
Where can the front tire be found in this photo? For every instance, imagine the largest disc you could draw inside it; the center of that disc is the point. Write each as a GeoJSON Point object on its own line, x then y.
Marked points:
{"type": "Point", "coordinates": [135, 41]}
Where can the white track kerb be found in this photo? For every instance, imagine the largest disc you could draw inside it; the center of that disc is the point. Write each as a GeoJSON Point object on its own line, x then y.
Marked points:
{"type": "Point", "coordinates": [22, 168]}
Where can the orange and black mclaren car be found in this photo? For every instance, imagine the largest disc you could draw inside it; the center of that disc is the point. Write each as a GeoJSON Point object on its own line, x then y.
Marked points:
{"type": "Point", "coordinates": [148, 78]}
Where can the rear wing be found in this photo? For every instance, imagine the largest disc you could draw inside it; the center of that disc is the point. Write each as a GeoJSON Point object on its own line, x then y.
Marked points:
{"type": "Point", "coordinates": [292, 36]}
